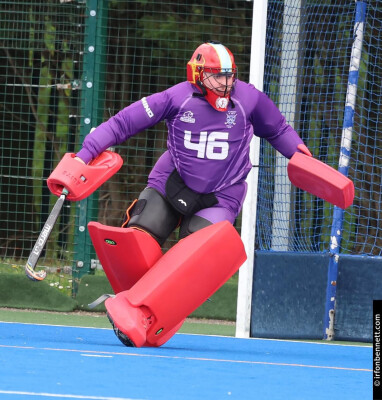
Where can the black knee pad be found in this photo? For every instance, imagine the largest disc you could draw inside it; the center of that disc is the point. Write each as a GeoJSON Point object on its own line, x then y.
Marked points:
{"type": "Point", "coordinates": [154, 214]}
{"type": "Point", "coordinates": [192, 224]}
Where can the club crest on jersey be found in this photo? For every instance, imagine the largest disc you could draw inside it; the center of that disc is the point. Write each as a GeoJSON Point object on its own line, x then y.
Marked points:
{"type": "Point", "coordinates": [231, 119]}
{"type": "Point", "coordinates": [221, 102]}
{"type": "Point", "coordinates": [188, 116]}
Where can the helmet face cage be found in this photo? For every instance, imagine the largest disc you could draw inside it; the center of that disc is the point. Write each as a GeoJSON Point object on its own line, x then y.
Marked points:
{"type": "Point", "coordinates": [219, 80]}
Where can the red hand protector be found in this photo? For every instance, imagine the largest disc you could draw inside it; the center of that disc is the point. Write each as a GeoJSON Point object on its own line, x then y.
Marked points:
{"type": "Point", "coordinates": [82, 180]}
{"type": "Point", "coordinates": [318, 178]}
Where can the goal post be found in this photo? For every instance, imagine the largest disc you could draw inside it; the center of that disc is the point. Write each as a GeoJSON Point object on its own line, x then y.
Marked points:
{"type": "Point", "coordinates": [248, 226]}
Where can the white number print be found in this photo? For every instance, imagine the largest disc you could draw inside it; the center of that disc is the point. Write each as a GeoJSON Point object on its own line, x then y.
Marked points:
{"type": "Point", "coordinates": [213, 146]}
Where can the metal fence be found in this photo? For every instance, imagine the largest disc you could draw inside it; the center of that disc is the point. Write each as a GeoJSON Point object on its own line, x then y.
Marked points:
{"type": "Point", "coordinates": [66, 66]}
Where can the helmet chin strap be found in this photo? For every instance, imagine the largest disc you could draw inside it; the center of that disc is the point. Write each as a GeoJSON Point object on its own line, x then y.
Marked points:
{"type": "Point", "coordinates": [201, 87]}
{"type": "Point", "coordinates": [219, 103]}
{"type": "Point", "coordinates": [225, 86]}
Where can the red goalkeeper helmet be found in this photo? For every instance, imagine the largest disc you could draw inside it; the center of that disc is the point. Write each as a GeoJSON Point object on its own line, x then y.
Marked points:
{"type": "Point", "coordinates": [213, 70]}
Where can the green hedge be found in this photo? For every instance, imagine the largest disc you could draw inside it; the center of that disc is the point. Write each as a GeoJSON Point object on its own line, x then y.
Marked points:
{"type": "Point", "coordinates": [16, 291]}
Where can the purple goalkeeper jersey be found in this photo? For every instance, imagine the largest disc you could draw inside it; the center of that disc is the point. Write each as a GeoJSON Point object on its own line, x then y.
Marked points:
{"type": "Point", "coordinates": [209, 148]}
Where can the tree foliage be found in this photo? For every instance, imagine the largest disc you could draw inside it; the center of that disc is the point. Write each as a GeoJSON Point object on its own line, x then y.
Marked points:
{"type": "Point", "coordinates": [146, 46]}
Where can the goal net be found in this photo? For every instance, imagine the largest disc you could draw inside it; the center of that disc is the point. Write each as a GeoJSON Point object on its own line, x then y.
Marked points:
{"type": "Point", "coordinates": [321, 66]}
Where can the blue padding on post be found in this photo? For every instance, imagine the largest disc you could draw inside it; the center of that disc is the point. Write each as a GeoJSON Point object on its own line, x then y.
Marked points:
{"type": "Point", "coordinates": [358, 284]}
{"type": "Point", "coordinates": [353, 77]}
{"type": "Point", "coordinates": [360, 15]}
{"type": "Point", "coordinates": [289, 291]}
{"type": "Point", "coordinates": [348, 117]}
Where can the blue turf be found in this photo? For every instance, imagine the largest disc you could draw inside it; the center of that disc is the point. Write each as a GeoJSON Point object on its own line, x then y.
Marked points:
{"type": "Point", "coordinates": [92, 363]}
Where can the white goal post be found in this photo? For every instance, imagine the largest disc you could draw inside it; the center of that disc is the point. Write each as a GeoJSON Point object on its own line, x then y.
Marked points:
{"type": "Point", "coordinates": [287, 100]}
{"type": "Point", "coordinates": [248, 226]}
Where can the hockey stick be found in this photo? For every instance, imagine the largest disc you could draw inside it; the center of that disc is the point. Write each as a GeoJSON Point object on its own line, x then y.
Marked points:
{"type": "Point", "coordinates": [42, 239]}
{"type": "Point", "coordinates": [81, 182]}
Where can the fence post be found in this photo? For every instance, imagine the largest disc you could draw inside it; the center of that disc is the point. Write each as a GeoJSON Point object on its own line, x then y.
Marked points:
{"type": "Point", "coordinates": [343, 167]}
{"type": "Point", "coordinates": [91, 102]}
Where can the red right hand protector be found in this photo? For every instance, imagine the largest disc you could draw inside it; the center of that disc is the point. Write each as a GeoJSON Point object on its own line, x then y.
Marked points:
{"type": "Point", "coordinates": [321, 180]}
{"type": "Point", "coordinates": [82, 180]}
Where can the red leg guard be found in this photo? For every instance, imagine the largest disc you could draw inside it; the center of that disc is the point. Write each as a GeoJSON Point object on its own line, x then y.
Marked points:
{"type": "Point", "coordinates": [126, 254]}
{"type": "Point", "coordinates": [154, 308]}
{"type": "Point", "coordinates": [134, 322]}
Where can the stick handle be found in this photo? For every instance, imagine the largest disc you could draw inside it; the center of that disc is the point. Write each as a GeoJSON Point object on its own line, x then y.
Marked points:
{"type": "Point", "coordinates": [42, 239]}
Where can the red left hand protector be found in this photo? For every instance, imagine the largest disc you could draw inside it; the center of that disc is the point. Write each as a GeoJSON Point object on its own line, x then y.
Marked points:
{"type": "Point", "coordinates": [82, 180]}
{"type": "Point", "coordinates": [321, 180]}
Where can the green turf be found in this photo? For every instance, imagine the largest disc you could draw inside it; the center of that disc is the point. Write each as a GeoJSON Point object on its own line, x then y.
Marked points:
{"type": "Point", "coordinates": [99, 320]}
{"type": "Point", "coordinates": [16, 291]}
{"type": "Point", "coordinates": [90, 288]}
{"type": "Point", "coordinates": [19, 292]}
{"type": "Point", "coordinates": [222, 304]}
